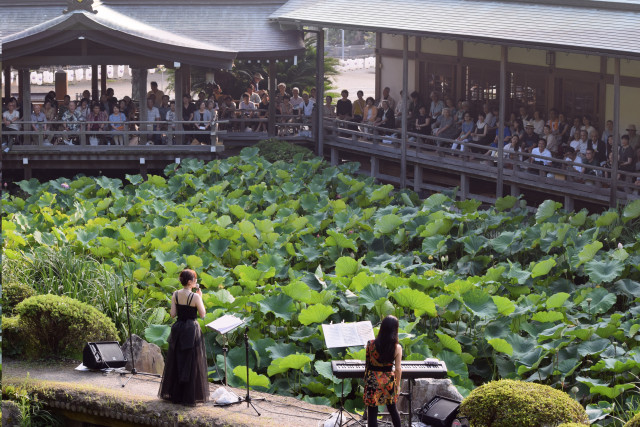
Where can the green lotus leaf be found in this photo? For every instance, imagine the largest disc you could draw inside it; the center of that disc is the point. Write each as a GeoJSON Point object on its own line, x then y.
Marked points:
{"type": "Point", "coordinates": [557, 300]}
{"type": "Point", "coordinates": [631, 211]}
{"type": "Point", "coordinates": [413, 299]}
{"type": "Point", "coordinates": [346, 266]}
{"type": "Point", "coordinates": [547, 316]}
{"type": "Point", "coordinates": [542, 268]}
{"type": "Point", "coordinates": [315, 314]}
{"type": "Point", "coordinates": [504, 305]}
{"type": "Point", "coordinates": [588, 252]}
{"type": "Point", "coordinates": [501, 346]}
{"type": "Point", "coordinates": [157, 334]}
{"type": "Point", "coordinates": [292, 361]}
{"type": "Point", "coordinates": [450, 343]}
{"type": "Point", "coordinates": [505, 203]}
{"type": "Point", "coordinates": [380, 193]}
{"type": "Point", "coordinates": [546, 210]}
{"type": "Point", "coordinates": [606, 219]}
{"type": "Point", "coordinates": [255, 380]}
{"type": "Point", "coordinates": [605, 271]}
{"type": "Point", "coordinates": [281, 305]}
{"type": "Point", "coordinates": [372, 293]}
{"type": "Point", "coordinates": [340, 240]}
{"type": "Point", "coordinates": [387, 224]}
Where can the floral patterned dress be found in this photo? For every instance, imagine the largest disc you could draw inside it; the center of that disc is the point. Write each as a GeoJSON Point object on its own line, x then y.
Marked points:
{"type": "Point", "coordinates": [380, 386]}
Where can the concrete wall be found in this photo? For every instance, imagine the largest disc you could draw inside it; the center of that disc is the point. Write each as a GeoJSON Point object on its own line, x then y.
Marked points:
{"type": "Point", "coordinates": [391, 75]}
{"type": "Point", "coordinates": [629, 106]}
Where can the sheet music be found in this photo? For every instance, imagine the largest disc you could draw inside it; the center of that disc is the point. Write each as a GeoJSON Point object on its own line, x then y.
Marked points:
{"type": "Point", "coordinates": [225, 323]}
{"type": "Point", "coordinates": [347, 334]}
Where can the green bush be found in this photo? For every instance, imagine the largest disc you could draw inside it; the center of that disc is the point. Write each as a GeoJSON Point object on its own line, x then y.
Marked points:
{"type": "Point", "coordinates": [13, 294]}
{"type": "Point", "coordinates": [634, 422]}
{"type": "Point", "coordinates": [508, 403]}
{"type": "Point", "coordinates": [61, 326]}
{"type": "Point", "coordinates": [275, 149]}
{"type": "Point", "coordinates": [12, 336]}
{"type": "Point", "coordinates": [572, 425]}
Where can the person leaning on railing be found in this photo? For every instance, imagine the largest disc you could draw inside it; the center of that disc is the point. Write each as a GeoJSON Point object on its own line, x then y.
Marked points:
{"type": "Point", "coordinates": [10, 119]}
{"type": "Point", "coordinates": [117, 123]}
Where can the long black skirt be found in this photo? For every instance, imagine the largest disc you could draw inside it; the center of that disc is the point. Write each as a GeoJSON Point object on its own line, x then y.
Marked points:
{"type": "Point", "coordinates": [184, 380]}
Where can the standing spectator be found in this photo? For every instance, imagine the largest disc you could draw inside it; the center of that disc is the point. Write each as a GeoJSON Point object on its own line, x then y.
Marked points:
{"type": "Point", "coordinates": [84, 109]}
{"type": "Point", "coordinates": [203, 118]}
{"type": "Point", "coordinates": [257, 81]}
{"type": "Point", "coordinates": [64, 107]}
{"type": "Point", "coordinates": [188, 108]}
{"type": "Point", "coordinates": [153, 115]}
{"type": "Point", "coordinates": [263, 112]}
{"type": "Point", "coordinates": [538, 123]}
{"type": "Point", "coordinates": [344, 108]}
{"type": "Point", "coordinates": [634, 138]}
{"type": "Point", "coordinates": [575, 128]}
{"type": "Point", "coordinates": [71, 118]}
{"type": "Point", "coordinates": [295, 100]}
{"type": "Point", "coordinates": [307, 106]}
{"type": "Point", "coordinates": [171, 118]}
{"type": "Point", "coordinates": [552, 143]}
{"type": "Point", "coordinates": [253, 95]}
{"type": "Point", "coordinates": [286, 110]}
{"type": "Point", "coordinates": [279, 97]}
{"type": "Point", "coordinates": [463, 109]}
{"type": "Point", "coordinates": [50, 111]}
{"type": "Point", "coordinates": [586, 124]}
{"type": "Point", "coordinates": [96, 115]}
{"type": "Point", "coordinates": [516, 128]}
{"type": "Point", "coordinates": [553, 122]}
{"type": "Point", "coordinates": [530, 138]}
{"type": "Point", "coordinates": [329, 110]}
{"type": "Point", "coordinates": [563, 129]}
{"type": "Point", "coordinates": [358, 107]}
{"type": "Point", "coordinates": [247, 109]}
{"type": "Point", "coordinates": [524, 117]}
{"type": "Point", "coordinates": [312, 94]}
{"type": "Point", "coordinates": [51, 97]}
{"type": "Point", "coordinates": [163, 109]}
{"type": "Point", "coordinates": [608, 131]}
{"type": "Point", "coordinates": [156, 94]}
{"type": "Point", "coordinates": [39, 121]}
{"type": "Point", "coordinates": [370, 114]}
{"type": "Point", "coordinates": [117, 122]}
{"type": "Point", "coordinates": [599, 147]}
{"type": "Point", "coordinates": [386, 96]}
{"type": "Point", "coordinates": [398, 110]}
{"type": "Point", "coordinates": [627, 156]}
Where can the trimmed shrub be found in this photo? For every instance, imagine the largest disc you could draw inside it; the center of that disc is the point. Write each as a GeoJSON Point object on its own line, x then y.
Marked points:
{"type": "Point", "coordinates": [507, 403]}
{"type": "Point", "coordinates": [276, 149]}
{"type": "Point", "coordinates": [13, 294]}
{"type": "Point", "coordinates": [61, 326]}
{"type": "Point", "coordinates": [572, 425]}
{"type": "Point", "coordinates": [12, 336]}
{"type": "Point", "coordinates": [634, 422]}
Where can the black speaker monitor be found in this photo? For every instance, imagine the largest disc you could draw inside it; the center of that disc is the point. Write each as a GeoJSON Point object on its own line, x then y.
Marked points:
{"type": "Point", "coordinates": [439, 412]}
{"type": "Point", "coordinates": [101, 355]}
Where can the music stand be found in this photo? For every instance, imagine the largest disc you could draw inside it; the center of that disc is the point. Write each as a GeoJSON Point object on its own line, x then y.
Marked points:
{"type": "Point", "coordinates": [223, 325]}
{"type": "Point", "coordinates": [347, 335]}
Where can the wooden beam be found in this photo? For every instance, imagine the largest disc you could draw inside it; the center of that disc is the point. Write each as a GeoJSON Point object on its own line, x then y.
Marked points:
{"type": "Point", "coordinates": [39, 61]}
{"type": "Point", "coordinates": [25, 99]}
{"type": "Point", "coordinates": [271, 125]}
{"type": "Point", "coordinates": [94, 82]}
{"type": "Point", "coordinates": [503, 104]}
{"type": "Point", "coordinates": [404, 99]}
{"type": "Point", "coordinates": [378, 65]}
{"type": "Point", "coordinates": [103, 79]}
{"type": "Point", "coordinates": [178, 85]}
{"type": "Point", "coordinates": [320, 90]}
{"type": "Point", "coordinates": [613, 195]}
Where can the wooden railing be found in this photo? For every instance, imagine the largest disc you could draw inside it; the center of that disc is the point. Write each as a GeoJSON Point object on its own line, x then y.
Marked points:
{"type": "Point", "coordinates": [424, 153]}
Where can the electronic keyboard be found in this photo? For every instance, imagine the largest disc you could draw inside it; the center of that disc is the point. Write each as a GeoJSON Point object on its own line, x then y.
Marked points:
{"type": "Point", "coordinates": [429, 368]}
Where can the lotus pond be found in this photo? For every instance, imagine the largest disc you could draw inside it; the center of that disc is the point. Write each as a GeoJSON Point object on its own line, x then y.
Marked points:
{"type": "Point", "coordinates": [506, 291]}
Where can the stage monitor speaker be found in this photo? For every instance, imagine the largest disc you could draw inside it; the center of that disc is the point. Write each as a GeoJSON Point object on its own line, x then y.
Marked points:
{"type": "Point", "coordinates": [439, 412]}
{"type": "Point", "coordinates": [101, 355]}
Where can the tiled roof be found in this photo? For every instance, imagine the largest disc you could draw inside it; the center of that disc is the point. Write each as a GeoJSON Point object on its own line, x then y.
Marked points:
{"type": "Point", "coordinates": [232, 28]}
{"type": "Point", "coordinates": [590, 26]}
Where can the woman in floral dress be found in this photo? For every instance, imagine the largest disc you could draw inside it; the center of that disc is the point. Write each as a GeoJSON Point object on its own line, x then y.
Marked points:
{"type": "Point", "coordinates": [381, 382]}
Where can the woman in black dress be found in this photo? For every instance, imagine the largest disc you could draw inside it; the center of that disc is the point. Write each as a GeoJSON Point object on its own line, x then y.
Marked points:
{"type": "Point", "coordinates": [381, 382]}
{"type": "Point", "coordinates": [185, 372]}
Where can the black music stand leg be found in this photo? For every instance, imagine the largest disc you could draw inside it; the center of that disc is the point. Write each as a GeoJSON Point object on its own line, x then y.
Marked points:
{"type": "Point", "coordinates": [246, 354]}
{"type": "Point", "coordinates": [410, 404]}
{"type": "Point", "coordinates": [342, 411]}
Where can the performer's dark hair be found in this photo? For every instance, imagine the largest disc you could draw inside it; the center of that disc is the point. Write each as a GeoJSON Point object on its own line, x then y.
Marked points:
{"type": "Point", "coordinates": [186, 275]}
{"type": "Point", "coordinates": [387, 339]}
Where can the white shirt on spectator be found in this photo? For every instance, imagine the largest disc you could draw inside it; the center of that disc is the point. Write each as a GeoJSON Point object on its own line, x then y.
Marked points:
{"type": "Point", "coordinates": [153, 114]}
{"type": "Point", "coordinates": [307, 109]}
{"type": "Point", "coordinates": [11, 117]}
{"type": "Point", "coordinates": [577, 160]}
{"type": "Point", "coordinates": [545, 153]}
{"type": "Point", "coordinates": [580, 146]}
{"type": "Point", "coordinates": [296, 101]}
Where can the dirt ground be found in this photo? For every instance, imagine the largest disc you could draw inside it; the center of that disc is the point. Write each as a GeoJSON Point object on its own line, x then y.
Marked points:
{"type": "Point", "coordinates": [275, 410]}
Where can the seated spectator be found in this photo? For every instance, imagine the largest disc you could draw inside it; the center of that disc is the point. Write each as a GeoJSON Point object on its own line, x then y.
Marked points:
{"type": "Point", "coordinates": [96, 115]}
{"type": "Point", "coordinates": [598, 146]}
{"type": "Point", "coordinates": [307, 106]}
{"type": "Point", "coordinates": [217, 94]}
{"type": "Point", "coordinates": [370, 114]}
{"type": "Point", "coordinates": [590, 160]}
{"type": "Point", "coordinates": [344, 108]}
{"type": "Point", "coordinates": [445, 127]}
{"type": "Point", "coordinates": [524, 117]}
{"type": "Point", "coordinates": [448, 103]}
{"type": "Point", "coordinates": [553, 122]}
{"type": "Point", "coordinates": [64, 107]}
{"type": "Point", "coordinates": [84, 109]}
{"type": "Point", "coordinates": [538, 123]}
{"type": "Point", "coordinates": [202, 121]}
{"type": "Point", "coordinates": [552, 142]}
{"type": "Point", "coordinates": [171, 118]}
{"type": "Point", "coordinates": [117, 123]}
{"type": "Point", "coordinates": [357, 112]}
{"type": "Point", "coordinates": [212, 107]}
{"type": "Point", "coordinates": [387, 97]}
{"type": "Point", "coordinates": [608, 131]}
{"type": "Point", "coordinates": [71, 118]}
{"type": "Point", "coordinates": [530, 138]}
{"type": "Point", "coordinates": [634, 138]}
{"type": "Point", "coordinates": [541, 150]}
{"type": "Point", "coordinates": [163, 109]}
{"type": "Point", "coordinates": [329, 110]}
{"type": "Point", "coordinates": [156, 94]}
{"type": "Point", "coordinates": [414, 108]}
{"type": "Point", "coordinates": [570, 156]}
{"type": "Point", "coordinates": [313, 93]}
{"type": "Point", "coordinates": [436, 106]}
{"type": "Point", "coordinates": [462, 110]}
{"type": "Point", "coordinates": [227, 109]}
{"type": "Point", "coordinates": [515, 128]}
{"type": "Point", "coordinates": [385, 117]}
{"type": "Point", "coordinates": [263, 112]}
{"type": "Point", "coordinates": [479, 134]}
{"type": "Point", "coordinates": [50, 111]}
{"type": "Point", "coordinates": [510, 148]}
{"type": "Point", "coordinates": [153, 115]}
{"type": "Point", "coordinates": [398, 110]}
{"type": "Point", "coordinates": [423, 121]}
{"type": "Point", "coordinates": [575, 128]}
{"type": "Point", "coordinates": [51, 97]}
{"type": "Point", "coordinates": [465, 134]}
{"type": "Point", "coordinates": [257, 82]}
{"type": "Point", "coordinates": [580, 144]}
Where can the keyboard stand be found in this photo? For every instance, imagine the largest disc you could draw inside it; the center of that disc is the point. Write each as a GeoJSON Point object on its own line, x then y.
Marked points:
{"type": "Point", "coordinates": [409, 398]}
{"type": "Point", "coordinates": [342, 412]}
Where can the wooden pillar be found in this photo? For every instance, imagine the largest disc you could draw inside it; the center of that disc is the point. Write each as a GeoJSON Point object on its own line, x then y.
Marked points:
{"type": "Point", "coordinates": [404, 99]}
{"type": "Point", "coordinates": [464, 186]}
{"type": "Point", "coordinates": [186, 78]}
{"type": "Point", "coordinates": [178, 85]}
{"type": "Point", "coordinates": [271, 124]}
{"type": "Point", "coordinates": [25, 100]}
{"type": "Point", "coordinates": [142, 96]}
{"type": "Point", "coordinates": [373, 170]}
{"type": "Point", "coordinates": [416, 64]}
{"type": "Point", "coordinates": [417, 178]}
{"type": "Point", "coordinates": [320, 90]}
{"type": "Point", "coordinates": [7, 83]}
{"type": "Point", "coordinates": [459, 87]}
{"type": "Point", "coordinates": [378, 66]}
{"type": "Point", "coordinates": [334, 157]}
{"type": "Point", "coordinates": [94, 83]}
{"type": "Point", "coordinates": [502, 108]}
{"type": "Point", "coordinates": [613, 194]}
{"type": "Point", "coordinates": [103, 79]}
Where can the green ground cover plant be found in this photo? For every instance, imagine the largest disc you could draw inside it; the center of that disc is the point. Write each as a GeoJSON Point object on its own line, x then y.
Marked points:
{"type": "Point", "coordinates": [503, 292]}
